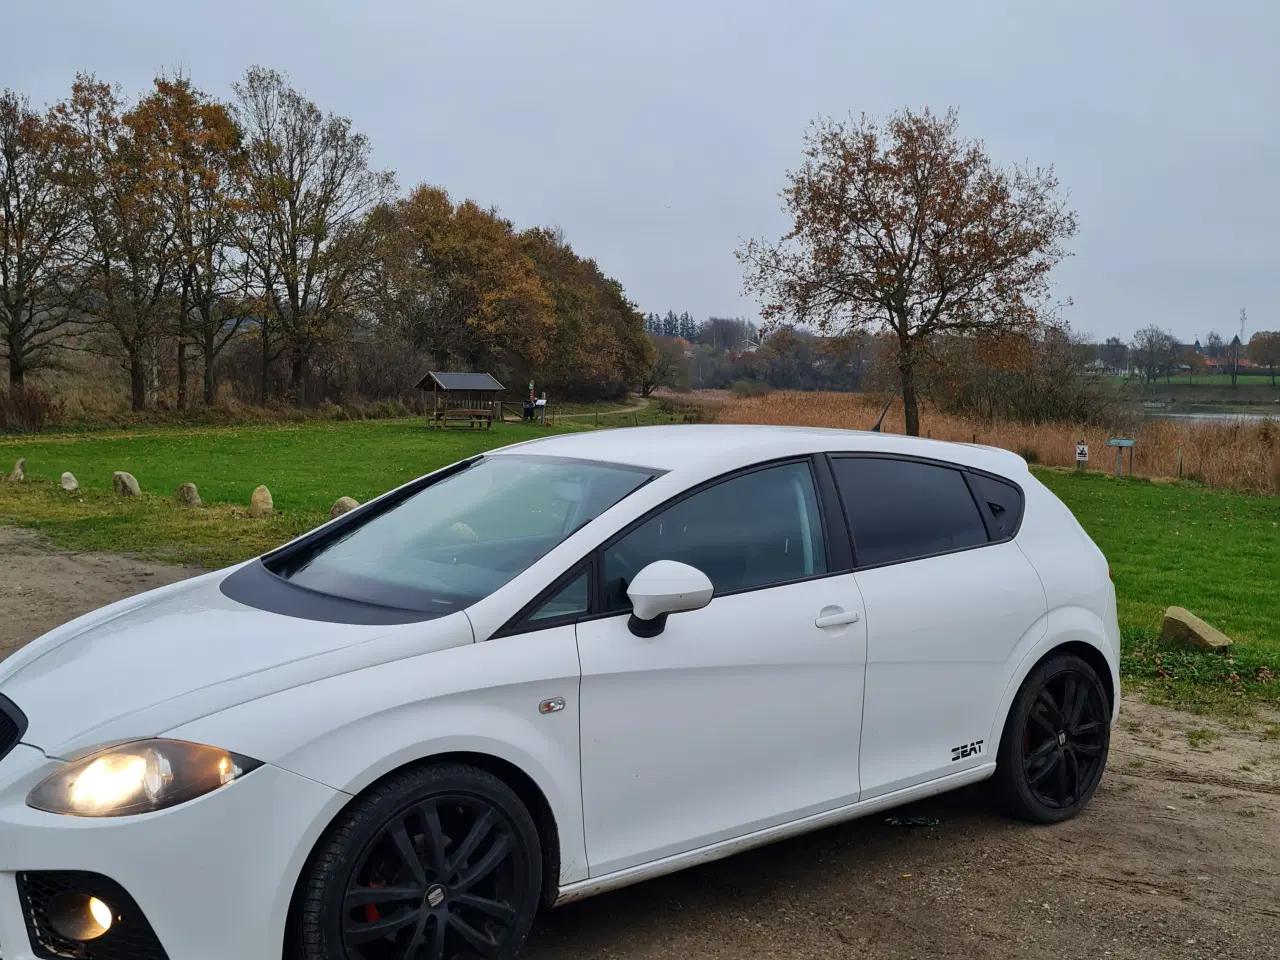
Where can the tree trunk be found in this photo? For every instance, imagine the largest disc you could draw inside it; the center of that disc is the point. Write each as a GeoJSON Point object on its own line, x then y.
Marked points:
{"type": "Point", "coordinates": [138, 380]}
{"type": "Point", "coordinates": [182, 343]}
{"type": "Point", "coordinates": [298, 378]}
{"type": "Point", "coordinates": [18, 373]}
{"type": "Point", "coordinates": [266, 366]}
{"type": "Point", "coordinates": [208, 373]}
{"type": "Point", "coordinates": [910, 409]}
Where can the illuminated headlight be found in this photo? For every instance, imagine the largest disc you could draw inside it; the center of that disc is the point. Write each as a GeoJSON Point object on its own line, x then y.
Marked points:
{"type": "Point", "coordinates": [138, 778]}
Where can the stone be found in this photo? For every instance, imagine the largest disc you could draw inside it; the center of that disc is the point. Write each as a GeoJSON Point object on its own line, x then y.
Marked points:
{"type": "Point", "coordinates": [187, 495]}
{"type": "Point", "coordinates": [342, 505]}
{"type": "Point", "coordinates": [1182, 628]}
{"type": "Point", "coordinates": [69, 482]}
{"type": "Point", "coordinates": [124, 484]}
{"type": "Point", "coordinates": [260, 503]}
{"type": "Point", "coordinates": [19, 472]}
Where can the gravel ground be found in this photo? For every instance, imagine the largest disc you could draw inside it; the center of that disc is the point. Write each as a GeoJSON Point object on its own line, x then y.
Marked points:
{"type": "Point", "coordinates": [1177, 856]}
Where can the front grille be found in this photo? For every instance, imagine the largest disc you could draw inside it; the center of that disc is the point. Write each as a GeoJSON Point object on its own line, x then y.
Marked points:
{"type": "Point", "coordinates": [13, 724]}
{"type": "Point", "coordinates": [130, 936]}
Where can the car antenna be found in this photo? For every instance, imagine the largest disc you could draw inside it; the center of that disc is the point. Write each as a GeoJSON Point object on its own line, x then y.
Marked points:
{"type": "Point", "coordinates": [880, 419]}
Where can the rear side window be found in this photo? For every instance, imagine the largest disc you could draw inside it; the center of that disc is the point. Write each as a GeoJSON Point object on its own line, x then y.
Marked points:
{"type": "Point", "coordinates": [902, 510]}
{"type": "Point", "coordinates": [1004, 500]}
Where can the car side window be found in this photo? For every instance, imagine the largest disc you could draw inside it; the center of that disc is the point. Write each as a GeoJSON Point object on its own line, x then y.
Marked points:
{"type": "Point", "coordinates": [753, 530]}
{"type": "Point", "coordinates": [1004, 500]}
{"type": "Point", "coordinates": [902, 509]}
{"type": "Point", "coordinates": [573, 600]}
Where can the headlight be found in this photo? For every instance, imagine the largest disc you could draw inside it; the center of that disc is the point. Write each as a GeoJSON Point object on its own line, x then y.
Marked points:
{"type": "Point", "coordinates": [137, 778]}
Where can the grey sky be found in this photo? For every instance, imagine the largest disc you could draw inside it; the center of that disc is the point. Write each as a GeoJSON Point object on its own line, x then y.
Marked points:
{"type": "Point", "coordinates": [657, 133]}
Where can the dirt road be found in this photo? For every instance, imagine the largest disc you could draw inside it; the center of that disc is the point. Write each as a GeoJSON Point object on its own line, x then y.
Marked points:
{"type": "Point", "coordinates": [1177, 856]}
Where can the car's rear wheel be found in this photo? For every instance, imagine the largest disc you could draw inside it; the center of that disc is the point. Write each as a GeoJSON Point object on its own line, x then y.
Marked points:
{"type": "Point", "coordinates": [1055, 742]}
{"type": "Point", "coordinates": [441, 862]}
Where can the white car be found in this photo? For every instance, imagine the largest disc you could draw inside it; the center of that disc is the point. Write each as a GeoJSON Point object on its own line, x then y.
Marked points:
{"type": "Point", "coordinates": [559, 668]}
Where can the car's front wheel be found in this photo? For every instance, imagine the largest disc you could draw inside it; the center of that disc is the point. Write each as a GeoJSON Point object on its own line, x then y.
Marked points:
{"type": "Point", "coordinates": [440, 862]}
{"type": "Point", "coordinates": [1055, 742]}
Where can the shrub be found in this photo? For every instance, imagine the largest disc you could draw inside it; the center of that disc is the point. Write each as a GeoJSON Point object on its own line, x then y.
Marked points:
{"type": "Point", "coordinates": [27, 410]}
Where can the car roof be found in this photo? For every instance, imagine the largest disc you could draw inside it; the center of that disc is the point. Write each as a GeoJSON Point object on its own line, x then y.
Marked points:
{"type": "Point", "coordinates": [695, 447]}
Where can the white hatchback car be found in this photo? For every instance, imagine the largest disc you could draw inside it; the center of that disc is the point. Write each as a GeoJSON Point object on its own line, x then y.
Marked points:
{"type": "Point", "coordinates": [552, 670]}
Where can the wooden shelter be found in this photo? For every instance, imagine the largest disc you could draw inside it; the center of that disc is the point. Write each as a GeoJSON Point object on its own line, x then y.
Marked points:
{"type": "Point", "coordinates": [470, 398]}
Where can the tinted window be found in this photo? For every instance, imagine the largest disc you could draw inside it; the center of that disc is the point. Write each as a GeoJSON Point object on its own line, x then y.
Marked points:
{"type": "Point", "coordinates": [1003, 499]}
{"type": "Point", "coordinates": [758, 529]}
{"type": "Point", "coordinates": [458, 540]}
{"type": "Point", "coordinates": [899, 509]}
{"type": "Point", "coordinates": [573, 599]}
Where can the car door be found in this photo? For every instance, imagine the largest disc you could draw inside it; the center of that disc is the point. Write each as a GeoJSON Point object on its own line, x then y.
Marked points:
{"type": "Point", "coordinates": [948, 596]}
{"type": "Point", "coordinates": [738, 716]}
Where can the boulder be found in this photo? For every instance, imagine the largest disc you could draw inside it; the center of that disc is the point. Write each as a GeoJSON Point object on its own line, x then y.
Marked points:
{"type": "Point", "coordinates": [260, 503]}
{"type": "Point", "coordinates": [187, 495]}
{"type": "Point", "coordinates": [342, 505]}
{"type": "Point", "coordinates": [1182, 628]}
{"type": "Point", "coordinates": [19, 472]}
{"type": "Point", "coordinates": [124, 484]}
{"type": "Point", "coordinates": [69, 482]}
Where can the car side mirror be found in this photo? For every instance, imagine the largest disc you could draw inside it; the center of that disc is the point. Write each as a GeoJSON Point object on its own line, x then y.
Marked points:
{"type": "Point", "coordinates": [662, 588]}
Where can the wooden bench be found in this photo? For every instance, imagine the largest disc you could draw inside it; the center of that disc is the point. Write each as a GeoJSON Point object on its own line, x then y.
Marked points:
{"type": "Point", "coordinates": [482, 417]}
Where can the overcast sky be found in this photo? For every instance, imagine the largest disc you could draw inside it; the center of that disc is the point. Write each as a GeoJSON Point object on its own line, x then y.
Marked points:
{"type": "Point", "coordinates": [658, 133]}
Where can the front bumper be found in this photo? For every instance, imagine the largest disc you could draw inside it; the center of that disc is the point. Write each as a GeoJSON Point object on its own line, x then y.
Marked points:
{"type": "Point", "coordinates": [214, 876]}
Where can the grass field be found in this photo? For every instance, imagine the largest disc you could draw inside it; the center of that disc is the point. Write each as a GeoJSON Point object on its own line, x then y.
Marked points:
{"type": "Point", "coordinates": [1204, 379]}
{"type": "Point", "coordinates": [1215, 552]}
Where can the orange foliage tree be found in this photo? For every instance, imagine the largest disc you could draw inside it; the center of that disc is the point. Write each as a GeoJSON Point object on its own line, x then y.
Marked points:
{"type": "Point", "coordinates": [907, 227]}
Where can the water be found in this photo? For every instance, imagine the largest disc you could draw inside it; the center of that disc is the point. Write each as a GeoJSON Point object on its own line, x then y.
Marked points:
{"type": "Point", "coordinates": [1209, 417]}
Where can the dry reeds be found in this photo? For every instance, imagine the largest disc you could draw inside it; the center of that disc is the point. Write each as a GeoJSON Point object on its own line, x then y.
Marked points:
{"type": "Point", "coordinates": [1234, 454]}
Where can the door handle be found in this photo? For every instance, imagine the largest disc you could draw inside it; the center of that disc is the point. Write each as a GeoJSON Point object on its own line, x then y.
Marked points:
{"type": "Point", "coordinates": [838, 619]}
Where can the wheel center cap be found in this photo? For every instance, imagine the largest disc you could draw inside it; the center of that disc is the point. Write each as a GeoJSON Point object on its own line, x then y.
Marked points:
{"type": "Point", "coordinates": [435, 896]}
{"type": "Point", "coordinates": [1062, 738]}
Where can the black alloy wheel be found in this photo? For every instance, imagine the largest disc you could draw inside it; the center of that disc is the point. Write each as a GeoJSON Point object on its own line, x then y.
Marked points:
{"type": "Point", "coordinates": [1055, 742]}
{"type": "Point", "coordinates": [437, 863]}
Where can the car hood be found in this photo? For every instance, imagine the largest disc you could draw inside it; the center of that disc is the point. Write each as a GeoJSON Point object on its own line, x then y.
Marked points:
{"type": "Point", "coordinates": [145, 664]}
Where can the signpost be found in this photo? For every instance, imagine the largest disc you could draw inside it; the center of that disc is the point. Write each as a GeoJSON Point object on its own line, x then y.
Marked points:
{"type": "Point", "coordinates": [1082, 454]}
{"type": "Point", "coordinates": [1120, 443]}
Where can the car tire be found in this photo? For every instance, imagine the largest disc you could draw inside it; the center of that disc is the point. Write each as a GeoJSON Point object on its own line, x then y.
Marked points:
{"type": "Point", "coordinates": [444, 855]}
{"type": "Point", "coordinates": [1056, 738]}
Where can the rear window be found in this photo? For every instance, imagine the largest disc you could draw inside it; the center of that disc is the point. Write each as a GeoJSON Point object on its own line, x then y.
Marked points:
{"type": "Point", "coordinates": [902, 509]}
{"type": "Point", "coordinates": [1004, 500]}
{"type": "Point", "coordinates": [461, 538]}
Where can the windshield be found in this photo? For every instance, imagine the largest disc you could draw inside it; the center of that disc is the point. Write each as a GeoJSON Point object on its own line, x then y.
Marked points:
{"type": "Point", "coordinates": [463, 537]}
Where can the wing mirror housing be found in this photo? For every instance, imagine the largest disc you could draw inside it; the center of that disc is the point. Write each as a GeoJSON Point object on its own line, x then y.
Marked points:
{"type": "Point", "coordinates": [662, 588]}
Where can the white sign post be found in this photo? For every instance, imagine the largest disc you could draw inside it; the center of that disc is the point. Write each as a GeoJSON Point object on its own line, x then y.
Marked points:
{"type": "Point", "coordinates": [1082, 454]}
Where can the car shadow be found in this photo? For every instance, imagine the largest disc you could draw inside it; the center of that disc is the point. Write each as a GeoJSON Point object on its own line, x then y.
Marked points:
{"type": "Point", "coordinates": [634, 921]}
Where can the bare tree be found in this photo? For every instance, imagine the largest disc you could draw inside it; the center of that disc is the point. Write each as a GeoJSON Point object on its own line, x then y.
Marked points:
{"type": "Point", "coordinates": [308, 193]}
{"type": "Point", "coordinates": [905, 226]}
{"type": "Point", "coordinates": [38, 222]}
{"type": "Point", "coordinates": [1151, 351]}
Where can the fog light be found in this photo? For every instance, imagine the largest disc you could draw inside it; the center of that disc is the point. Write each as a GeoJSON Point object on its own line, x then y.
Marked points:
{"type": "Point", "coordinates": [77, 916]}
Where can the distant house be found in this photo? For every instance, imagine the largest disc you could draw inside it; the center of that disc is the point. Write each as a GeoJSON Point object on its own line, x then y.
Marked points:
{"type": "Point", "coordinates": [748, 346]}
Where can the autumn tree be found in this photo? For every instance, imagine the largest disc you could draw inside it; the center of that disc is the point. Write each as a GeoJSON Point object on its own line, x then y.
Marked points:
{"type": "Point", "coordinates": [130, 253]}
{"type": "Point", "coordinates": [459, 282]}
{"type": "Point", "coordinates": [668, 367]}
{"type": "Point", "coordinates": [1264, 350]}
{"type": "Point", "coordinates": [599, 347]}
{"type": "Point", "coordinates": [907, 227]}
{"type": "Point", "coordinates": [38, 224]}
{"type": "Point", "coordinates": [194, 146]}
{"type": "Point", "coordinates": [308, 193]}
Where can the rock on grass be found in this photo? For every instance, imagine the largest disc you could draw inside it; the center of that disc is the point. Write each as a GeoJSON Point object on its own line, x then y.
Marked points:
{"type": "Point", "coordinates": [342, 505]}
{"type": "Point", "coordinates": [260, 504]}
{"type": "Point", "coordinates": [1182, 628]}
{"type": "Point", "coordinates": [125, 484]}
{"type": "Point", "coordinates": [187, 495]}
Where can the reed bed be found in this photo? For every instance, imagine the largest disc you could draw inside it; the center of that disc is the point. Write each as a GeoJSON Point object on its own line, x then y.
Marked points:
{"type": "Point", "coordinates": [1231, 454]}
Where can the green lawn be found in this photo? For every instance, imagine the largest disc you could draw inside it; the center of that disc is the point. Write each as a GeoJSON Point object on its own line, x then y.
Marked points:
{"type": "Point", "coordinates": [1202, 379]}
{"type": "Point", "coordinates": [1216, 553]}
